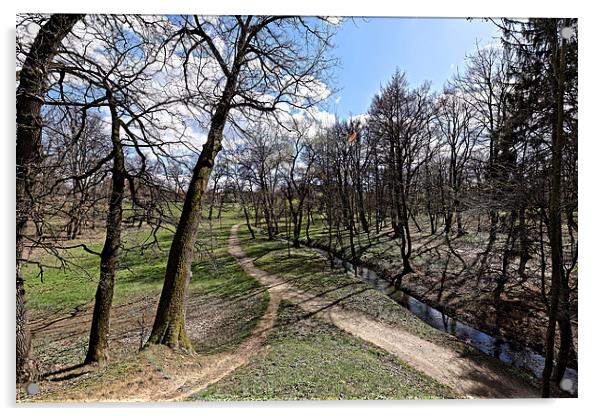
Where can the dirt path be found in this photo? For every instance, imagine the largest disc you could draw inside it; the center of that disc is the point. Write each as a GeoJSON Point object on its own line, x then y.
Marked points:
{"type": "Point", "coordinates": [465, 375]}
{"type": "Point", "coordinates": [166, 375]}
{"type": "Point", "coordinates": [159, 374]}
{"type": "Point", "coordinates": [220, 365]}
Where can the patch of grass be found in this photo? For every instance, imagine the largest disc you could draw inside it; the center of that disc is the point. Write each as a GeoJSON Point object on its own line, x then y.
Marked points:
{"type": "Point", "coordinates": [139, 271]}
{"type": "Point", "coordinates": [236, 322]}
{"type": "Point", "coordinates": [311, 359]}
{"type": "Point", "coordinates": [65, 289]}
{"type": "Point", "coordinates": [309, 271]}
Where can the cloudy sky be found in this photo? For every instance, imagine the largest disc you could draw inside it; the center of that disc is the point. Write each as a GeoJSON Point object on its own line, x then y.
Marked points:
{"type": "Point", "coordinates": [426, 49]}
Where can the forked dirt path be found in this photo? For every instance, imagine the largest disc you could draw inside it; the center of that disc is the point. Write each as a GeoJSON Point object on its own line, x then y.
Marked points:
{"type": "Point", "coordinates": [163, 374]}
{"type": "Point", "coordinates": [465, 375]}
{"type": "Point", "coordinates": [218, 366]}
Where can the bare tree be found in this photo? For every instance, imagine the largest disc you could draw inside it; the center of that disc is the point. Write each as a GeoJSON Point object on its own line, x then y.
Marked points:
{"type": "Point", "coordinates": [112, 64]}
{"type": "Point", "coordinates": [400, 117]}
{"type": "Point", "coordinates": [32, 88]}
{"type": "Point", "coordinates": [261, 65]}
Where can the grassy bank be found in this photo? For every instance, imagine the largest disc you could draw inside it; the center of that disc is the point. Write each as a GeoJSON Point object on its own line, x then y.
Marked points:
{"type": "Point", "coordinates": [308, 358]}
{"type": "Point", "coordinates": [308, 270]}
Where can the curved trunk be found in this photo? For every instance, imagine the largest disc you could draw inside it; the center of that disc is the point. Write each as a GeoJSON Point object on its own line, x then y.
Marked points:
{"type": "Point", "coordinates": [30, 97]}
{"type": "Point", "coordinates": [170, 320]}
{"type": "Point", "coordinates": [555, 221]}
{"type": "Point", "coordinates": [566, 332]}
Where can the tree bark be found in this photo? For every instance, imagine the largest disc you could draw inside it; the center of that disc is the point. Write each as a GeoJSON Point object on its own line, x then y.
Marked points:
{"type": "Point", "coordinates": [32, 88]}
{"type": "Point", "coordinates": [98, 347]}
{"type": "Point", "coordinates": [169, 326]}
{"type": "Point", "coordinates": [555, 219]}
{"type": "Point", "coordinates": [566, 333]}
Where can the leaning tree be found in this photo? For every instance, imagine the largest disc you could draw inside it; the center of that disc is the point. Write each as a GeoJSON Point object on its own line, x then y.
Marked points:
{"type": "Point", "coordinates": [33, 85]}
{"type": "Point", "coordinates": [254, 64]}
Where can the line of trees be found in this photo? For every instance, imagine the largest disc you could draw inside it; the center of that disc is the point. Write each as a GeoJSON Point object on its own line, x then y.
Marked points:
{"type": "Point", "coordinates": [106, 112]}
{"type": "Point", "coordinates": [494, 156]}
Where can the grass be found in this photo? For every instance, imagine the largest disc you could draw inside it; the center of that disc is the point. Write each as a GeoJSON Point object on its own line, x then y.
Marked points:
{"type": "Point", "coordinates": [139, 271]}
{"type": "Point", "coordinates": [224, 303]}
{"type": "Point", "coordinates": [306, 358]}
{"type": "Point", "coordinates": [310, 271]}
{"type": "Point", "coordinates": [463, 294]}
{"type": "Point", "coordinates": [310, 359]}
{"type": "Point", "coordinates": [75, 285]}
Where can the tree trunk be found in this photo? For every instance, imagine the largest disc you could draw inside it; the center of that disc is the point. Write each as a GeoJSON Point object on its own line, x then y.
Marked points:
{"type": "Point", "coordinates": [361, 205]}
{"type": "Point", "coordinates": [555, 219]}
{"type": "Point", "coordinates": [566, 332]}
{"type": "Point", "coordinates": [247, 220]}
{"type": "Point", "coordinates": [307, 223]}
{"type": "Point", "coordinates": [493, 227]}
{"type": "Point", "coordinates": [169, 326]}
{"type": "Point", "coordinates": [98, 347]}
{"type": "Point", "coordinates": [30, 97]}
{"type": "Point", "coordinates": [523, 244]}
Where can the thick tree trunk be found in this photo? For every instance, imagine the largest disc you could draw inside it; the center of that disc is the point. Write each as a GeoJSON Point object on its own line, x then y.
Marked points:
{"type": "Point", "coordinates": [297, 223]}
{"type": "Point", "coordinates": [361, 206]}
{"type": "Point", "coordinates": [307, 223]}
{"type": "Point", "coordinates": [297, 218]}
{"type": "Point", "coordinates": [566, 333]}
{"type": "Point", "coordinates": [169, 326]}
{"type": "Point", "coordinates": [406, 237]}
{"type": "Point", "coordinates": [493, 227]}
{"type": "Point", "coordinates": [98, 347]}
{"type": "Point", "coordinates": [460, 231]}
{"type": "Point", "coordinates": [30, 97]}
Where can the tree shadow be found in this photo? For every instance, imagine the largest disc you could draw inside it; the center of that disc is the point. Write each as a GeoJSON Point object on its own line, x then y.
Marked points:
{"type": "Point", "coordinates": [67, 373]}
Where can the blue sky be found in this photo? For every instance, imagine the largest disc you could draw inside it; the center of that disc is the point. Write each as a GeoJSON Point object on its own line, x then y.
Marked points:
{"type": "Point", "coordinates": [426, 49]}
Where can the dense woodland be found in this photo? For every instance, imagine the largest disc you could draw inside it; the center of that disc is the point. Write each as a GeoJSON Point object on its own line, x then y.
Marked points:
{"type": "Point", "coordinates": [143, 121]}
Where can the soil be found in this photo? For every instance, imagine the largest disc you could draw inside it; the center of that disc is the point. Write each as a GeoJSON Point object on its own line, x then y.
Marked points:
{"type": "Point", "coordinates": [153, 374]}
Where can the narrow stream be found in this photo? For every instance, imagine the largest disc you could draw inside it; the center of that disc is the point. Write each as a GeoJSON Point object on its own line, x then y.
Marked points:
{"type": "Point", "coordinates": [508, 352]}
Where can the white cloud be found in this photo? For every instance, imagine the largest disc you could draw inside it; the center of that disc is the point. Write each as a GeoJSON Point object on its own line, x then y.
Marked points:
{"type": "Point", "coordinates": [334, 20]}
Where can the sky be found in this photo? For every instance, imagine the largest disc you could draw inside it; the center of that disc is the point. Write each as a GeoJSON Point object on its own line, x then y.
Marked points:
{"type": "Point", "coordinates": [426, 49]}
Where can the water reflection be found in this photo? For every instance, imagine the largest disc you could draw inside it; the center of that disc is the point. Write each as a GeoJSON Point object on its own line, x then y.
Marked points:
{"type": "Point", "coordinates": [508, 352]}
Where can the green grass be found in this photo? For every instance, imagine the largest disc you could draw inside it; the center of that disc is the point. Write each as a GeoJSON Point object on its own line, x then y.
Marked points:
{"type": "Point", "coordinates": [61, 289]}
{"type": "Point", "coordinates": [223, 299]}
{"type": "Point", "coordinates": [138, 272]}
{"type": "Point", "coordinates": [309, 271]}
{"type": "Point", "coordinates": [311, 359]}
